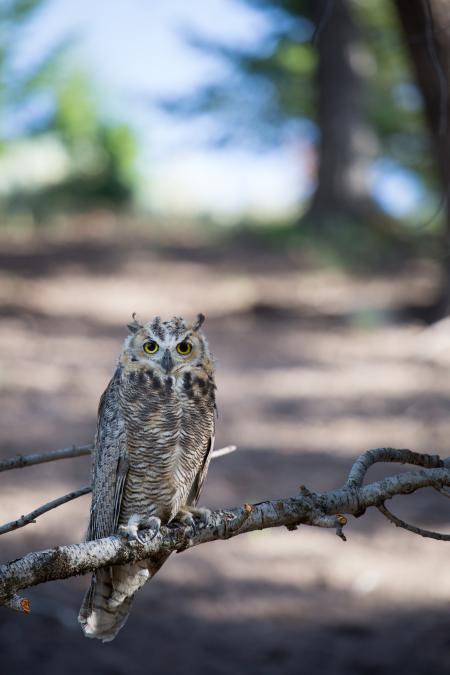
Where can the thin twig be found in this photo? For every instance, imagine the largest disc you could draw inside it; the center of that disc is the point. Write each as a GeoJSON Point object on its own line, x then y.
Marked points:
{"type": "Point", "coordinates": [398, 522]}
{"type": "Point", "coordinates": [31, 517]}
{"type": "Point", "coordinates": [443, 492]}
{"type": "Point", "coordinates": [221, 452]}
{"type": "Point", "coordinates": [21, 461]}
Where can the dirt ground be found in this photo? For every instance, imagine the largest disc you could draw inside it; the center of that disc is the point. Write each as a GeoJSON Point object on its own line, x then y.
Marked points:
{"type": "Point", "coordinates": [313, 367]}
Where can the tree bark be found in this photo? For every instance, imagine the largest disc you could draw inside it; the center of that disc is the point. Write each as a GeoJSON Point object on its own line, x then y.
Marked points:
{"type": "Point", "coordinates": [426, 30]}
{"type": "Point", "coordinates": [346, 145]}
{"type": "Point", "coordinates": [427, 37]}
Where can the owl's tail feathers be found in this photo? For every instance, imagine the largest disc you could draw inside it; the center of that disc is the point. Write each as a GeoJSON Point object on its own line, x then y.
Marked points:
{"type": "Point", "coordinates": [107, 603]}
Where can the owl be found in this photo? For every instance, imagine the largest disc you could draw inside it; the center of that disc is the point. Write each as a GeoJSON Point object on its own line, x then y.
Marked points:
{"type": "Point", "coordinates": [154, 439]}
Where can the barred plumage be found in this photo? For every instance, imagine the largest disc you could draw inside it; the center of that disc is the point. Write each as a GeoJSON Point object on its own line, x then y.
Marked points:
{"type": "Point", "coordinates": [154, 438]}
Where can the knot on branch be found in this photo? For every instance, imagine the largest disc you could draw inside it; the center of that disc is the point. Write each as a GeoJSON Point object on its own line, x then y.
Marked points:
{"type": "Point", "coordinates": [18, 604]}
{"type": "Point", "coordinates": [232, 523]}
{"type": "Point", "coordinates": [317, 516]}
{"type": "Point", "coordinates": [336, 522]}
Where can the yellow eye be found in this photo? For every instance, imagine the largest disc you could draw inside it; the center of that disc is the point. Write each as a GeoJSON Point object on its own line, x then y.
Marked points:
{"type": "Point", "coordinates": [184, 348]}
{"type": "Point", "coordinates": [151, 347]}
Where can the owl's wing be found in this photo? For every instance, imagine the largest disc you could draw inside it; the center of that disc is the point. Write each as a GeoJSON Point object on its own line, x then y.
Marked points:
{"type": "Point", "coordinates": [197, 485]}
{"type": "Point", "coordinates": [110, 464]}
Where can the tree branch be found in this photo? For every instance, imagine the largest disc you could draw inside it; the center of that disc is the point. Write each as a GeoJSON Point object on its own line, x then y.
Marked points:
{"type": "Point", "coordinates": [370, 457]}
{"type": "Point", "coordinates": [21, 461]}
{"type": "Point", "coordinates": [324, 509]}
{"type": "Point", "coordinates": [31, 517]}
{"type": "Point", "coordinates": [398, 522]}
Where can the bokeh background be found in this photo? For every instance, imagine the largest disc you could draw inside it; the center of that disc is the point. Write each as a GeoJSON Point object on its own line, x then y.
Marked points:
{"type": "Point", "coordinates": [282, 167]}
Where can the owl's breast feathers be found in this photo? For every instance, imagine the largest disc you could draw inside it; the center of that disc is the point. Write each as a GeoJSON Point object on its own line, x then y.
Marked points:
{"type": "Point", "coordinates": [169, 423]}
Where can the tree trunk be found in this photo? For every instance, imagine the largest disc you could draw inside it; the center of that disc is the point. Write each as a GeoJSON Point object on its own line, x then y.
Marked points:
{"type": "Point", "coordinates": [426, 29]}
{"type": "Point", "coordinates": [347, 145]}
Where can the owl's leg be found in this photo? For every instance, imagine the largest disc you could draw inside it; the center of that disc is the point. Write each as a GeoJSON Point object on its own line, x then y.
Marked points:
{"type": "Point", "coordinates": [137, 522]}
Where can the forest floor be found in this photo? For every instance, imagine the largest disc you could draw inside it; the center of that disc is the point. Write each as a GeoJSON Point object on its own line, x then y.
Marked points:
{"type": "Point", "coordinates": [313, 367]}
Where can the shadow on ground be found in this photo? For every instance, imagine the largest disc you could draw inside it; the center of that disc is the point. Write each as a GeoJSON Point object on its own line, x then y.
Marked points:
{"type": "Point", "coordinates": [312, 369]}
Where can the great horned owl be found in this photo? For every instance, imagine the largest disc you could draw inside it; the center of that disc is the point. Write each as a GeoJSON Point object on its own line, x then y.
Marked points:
{"type": "Point", "coordinates": [154, 439]}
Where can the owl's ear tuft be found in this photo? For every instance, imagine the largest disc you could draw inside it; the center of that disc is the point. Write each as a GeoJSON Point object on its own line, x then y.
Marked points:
{"type": "Point", "coordinates": [198, 322]}
{"type": "Point", "coordinates": [134, 325]}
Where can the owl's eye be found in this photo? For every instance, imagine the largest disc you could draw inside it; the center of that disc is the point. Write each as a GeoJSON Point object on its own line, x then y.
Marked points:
{"type": "Point", "coordinates": [151, 347]}
{"type": "Point", "coordinates": [184, 348]}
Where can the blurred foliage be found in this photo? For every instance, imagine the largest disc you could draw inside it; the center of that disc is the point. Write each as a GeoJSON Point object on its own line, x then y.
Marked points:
{"type": "Point", "coordinates": [348, 245]}
{"type": "Point", "coordinates": [394, 103]}
{"type": "Point", "coordinates": [271, 93]}
{"type": "Point", "coordinates": [55, 99]}
{"type": "Point", "coordinates": [20, 87]}
{"type": "Point", "coordinates": [271, 83]}
{"type": "Point", "coordinates": [102, 153]}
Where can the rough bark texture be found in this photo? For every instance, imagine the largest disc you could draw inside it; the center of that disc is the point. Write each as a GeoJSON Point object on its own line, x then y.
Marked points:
{"type": "Point", "coordinates": [346, 143]}
{"type": "Point", "coordinates": [317, 509]}
{"type": "Point", "coordinates": [426, 30]}
{"type": "Point", "coordinates": [427, 37]}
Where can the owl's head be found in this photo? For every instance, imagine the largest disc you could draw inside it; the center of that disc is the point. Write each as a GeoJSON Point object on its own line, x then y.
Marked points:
{"type": "Point", "coordinates": [168, 346]}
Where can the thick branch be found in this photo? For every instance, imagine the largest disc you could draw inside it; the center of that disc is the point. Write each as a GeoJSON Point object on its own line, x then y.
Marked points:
{"type": "Point", "coordinates": [321, 509]}
{"type": "Point", "coordinates": [20, 461]}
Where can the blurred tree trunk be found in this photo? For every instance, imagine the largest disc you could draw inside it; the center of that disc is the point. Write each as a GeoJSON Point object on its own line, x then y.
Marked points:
{"type": "Point", "coordinates": [346, 143]}
{"type": "Point", "coordinates": [426, 29]}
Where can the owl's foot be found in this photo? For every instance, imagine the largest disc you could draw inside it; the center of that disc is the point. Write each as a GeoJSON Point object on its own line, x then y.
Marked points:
{"type": "Point", "coordinates": [200, 512]}
{"type": "Point", "coordinates": [187, 514]}
{"type": "Point", "coordinates": [137, 522]}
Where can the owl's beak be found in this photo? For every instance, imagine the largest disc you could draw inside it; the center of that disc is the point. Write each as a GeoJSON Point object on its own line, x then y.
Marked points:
{"type": "Point", "coordinates": [166, 361]}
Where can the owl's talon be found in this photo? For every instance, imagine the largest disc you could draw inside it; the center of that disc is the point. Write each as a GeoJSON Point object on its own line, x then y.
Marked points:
{"type": "Point", "coordinates": [130, 531]}
{"type": "Point", "coordinates": [203, 513]}
{"type": "Point", "coordinates": [153, 524]}
{"type": "Point", "coordinates": [189, 532]}
{"type": "Point", "coordinates": [190, 524]}
{"type": "Point", "coordinates": [187, 516]}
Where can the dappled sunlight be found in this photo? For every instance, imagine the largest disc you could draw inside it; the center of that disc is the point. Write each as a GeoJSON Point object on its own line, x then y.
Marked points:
{"type": "Point", "coordinates": [281, 168]}
{"type": "Point", "coordinates": [308, 559]}
{"type": "Point", "coordinates": [305, 383]}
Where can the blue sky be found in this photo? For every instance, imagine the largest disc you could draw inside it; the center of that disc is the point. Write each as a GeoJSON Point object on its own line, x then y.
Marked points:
{"type": "Point", "coordinates": [135, 51]}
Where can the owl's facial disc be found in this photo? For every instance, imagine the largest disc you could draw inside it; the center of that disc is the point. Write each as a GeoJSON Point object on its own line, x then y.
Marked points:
{"type": "Point", "coordinates": [171, 355]}
{"type": "Point", "coordinates": [166, 347]}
